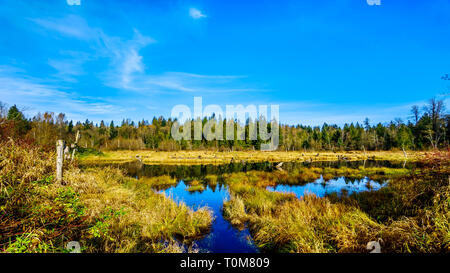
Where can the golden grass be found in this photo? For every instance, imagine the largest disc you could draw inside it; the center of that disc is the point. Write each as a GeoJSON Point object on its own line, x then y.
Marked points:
{"type": "Point", "coordinates": [305, 175]}
{"type": "Point", "coordinates": [148, 218]}
{"type": "Point", "coordinates": [314, 225]}
{"type": "Point", "coordinates": [234, 210]}
{"type": "Point", "coordinates": [211, 179]}
{"type": "Point", "coordinates": [164, 180]}
{"type": "Point", "coordinates": [109, 212]}
{"type": "Point", "coordinates": [411, 214]}
{"type": "Point", "coordinates": [101, 208]}
{"type": "Point", "coordinates": [195, 185]}
{"type": "Point", "coordinates": [212, 157]}
{"type": "Point", "coordinates": [35, 212]}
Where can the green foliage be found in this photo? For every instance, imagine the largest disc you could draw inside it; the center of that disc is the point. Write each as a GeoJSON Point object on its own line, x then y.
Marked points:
{"type": "Point", "coordinates": [70, 201]}
{"type": "Point", "coordinates": [101, 229]}
{"type": "Point", "coordinates": [21, 124]}
{"type": "Point", "coordinates": [428, 129]}
{"type": "Point", "coordinates": [27, 241]}
{"type": "Point", "coordinates": [88, 151]}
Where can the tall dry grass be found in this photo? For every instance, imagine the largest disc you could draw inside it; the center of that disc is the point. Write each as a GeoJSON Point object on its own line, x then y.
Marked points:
{"type": "Point", "coordinates": [139, 219]}
{"type": "Point", "coordinates": [411, 214]}
{"type": "Point", "coordinates": [103, 209]}
{"type": "Point", "coordinates": [36, 214]}
{"type": "Point", "coordinates": [217, 157]}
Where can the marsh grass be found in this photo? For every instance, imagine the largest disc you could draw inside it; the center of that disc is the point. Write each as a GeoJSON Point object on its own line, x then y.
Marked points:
{"type": "Point", "coordinates": [164, 180]}
{"type": "Point", "coordinates": [410, 214]}
{"type": "Point", "coordinates": [148, 220]}
{"type": "Point", "coordinates": [109, 212]}
{"type": "Point", "coordinates": [234, 210]}
{"type": "Point", "coordinates": [313, 224]}
{"type": "Point", "coordinates": [302, 176]}
{"type": "Point", "coordinates": [36, 214]}
{"type": "Point", "coordinates": [195, 186]}
{"type": "Point", "coordinates": [211, 179]}
{"type": "Point", "coordinates": [374, 173]}
{"type": "Point", "coordinates": [216, 157]}
{"type": "Point", "coordinates": [100, 207]}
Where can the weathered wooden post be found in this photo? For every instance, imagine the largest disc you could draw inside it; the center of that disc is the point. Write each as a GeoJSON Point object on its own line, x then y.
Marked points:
{"type": "Point", "coordinates": [75, 145]}
{"type": "Point", "coordinates": [66, 153]}
{"type": "Point", "coordinates": [59, 160]}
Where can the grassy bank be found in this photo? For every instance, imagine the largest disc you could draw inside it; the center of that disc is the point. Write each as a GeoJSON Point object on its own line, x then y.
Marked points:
{"type": "Point", "coordinates": [301, 176]}
{"type": "Point", "coordinates": [107, 211]}
{"type": "Point", "coordinates": [211, 157]}
{"type": "Point", "coordinates": [410, 214]}
{"type": "Point", "coordinates": [101, 208]}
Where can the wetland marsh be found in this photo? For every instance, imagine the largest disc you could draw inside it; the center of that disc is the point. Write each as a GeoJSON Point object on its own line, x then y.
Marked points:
{"type": "Point", "coordinates": [247, 198]}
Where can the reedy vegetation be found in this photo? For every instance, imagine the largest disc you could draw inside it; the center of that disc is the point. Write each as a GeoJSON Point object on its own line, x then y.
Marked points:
{"type": "Point", "coordinates": [90, 157]}
{"type": "Point", "coordinates": [410, 214]}
{"type": "Point", "coordinates": [109, 212]}
{"type": "Point", "coordinates": [103, 209]}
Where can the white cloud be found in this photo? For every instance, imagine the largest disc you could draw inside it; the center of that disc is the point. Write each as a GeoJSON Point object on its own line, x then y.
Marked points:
{"type": "Point", "coordinates": [125, 59]}
{"type": "Point", "coordinates": [127, 70]}
{"type": "Point", "coordinates": [123, 54]}
{"type": "Point", "coordinates": [176, 82]}
{"type": "Point", "coordinates": [38, 95]}
{"type": "Point", "coordinates": [71, 26]}
{"type": "Point", "coordinates": [196, 13]}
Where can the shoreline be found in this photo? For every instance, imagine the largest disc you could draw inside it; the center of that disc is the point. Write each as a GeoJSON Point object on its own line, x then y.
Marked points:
{"type": "Point", "coordinates": [212, 157]}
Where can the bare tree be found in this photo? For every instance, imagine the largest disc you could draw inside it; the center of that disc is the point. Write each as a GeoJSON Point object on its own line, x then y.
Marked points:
{"type": "Point", "coordinates": [61, 123]}
{"type": "Point", "coordinates": [416, 113]}
{"type": "Point", "coordinates": [435, 111]}
{"type": "Point", "coordinates": [3, 110]}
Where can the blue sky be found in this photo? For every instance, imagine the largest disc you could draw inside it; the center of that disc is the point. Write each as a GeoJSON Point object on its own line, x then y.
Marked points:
{"type": "Point", "coordinates": [321, 61]}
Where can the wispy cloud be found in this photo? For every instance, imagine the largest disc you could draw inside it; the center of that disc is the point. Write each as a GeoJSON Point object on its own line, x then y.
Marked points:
{"type": "Point", "coordinates": [196, 13]}
{"type": "Point", "coordinates": [37, 94]}
{"type": "Point", "coordinates": [125, 59]}
{"type": "Point", "coordinates": [124, 56]}
{"type": "Point", "coordinates": [67, 69]}
{"type": "Point", "coordinates": [119, 63]}
{"type": "Point", "coordinates": [71, 26]}
{"type": "Point", "coordinates": [174, 82]}
{"type": "Point", "coordinates": [127, 70]}
{"type": "Point", "coordinates": [69, 65]}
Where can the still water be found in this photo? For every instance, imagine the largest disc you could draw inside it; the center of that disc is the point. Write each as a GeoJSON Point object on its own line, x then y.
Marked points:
{"type": "Point", "coordinates": [338, 185]}
{"type": "Point", "coordinates": [223, 238]}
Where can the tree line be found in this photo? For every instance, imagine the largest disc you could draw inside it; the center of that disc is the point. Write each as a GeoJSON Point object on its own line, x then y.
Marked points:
{"type": "Point", "coordinates": [427, 128]}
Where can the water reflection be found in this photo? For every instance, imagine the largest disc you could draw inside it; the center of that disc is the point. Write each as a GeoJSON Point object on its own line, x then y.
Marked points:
{"type": "Point", "coordinates": [338, 185]}
{"type": "Point", "coordinates": [223, 238]}
{"type": "Point", "coordinates": [137, 169]}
